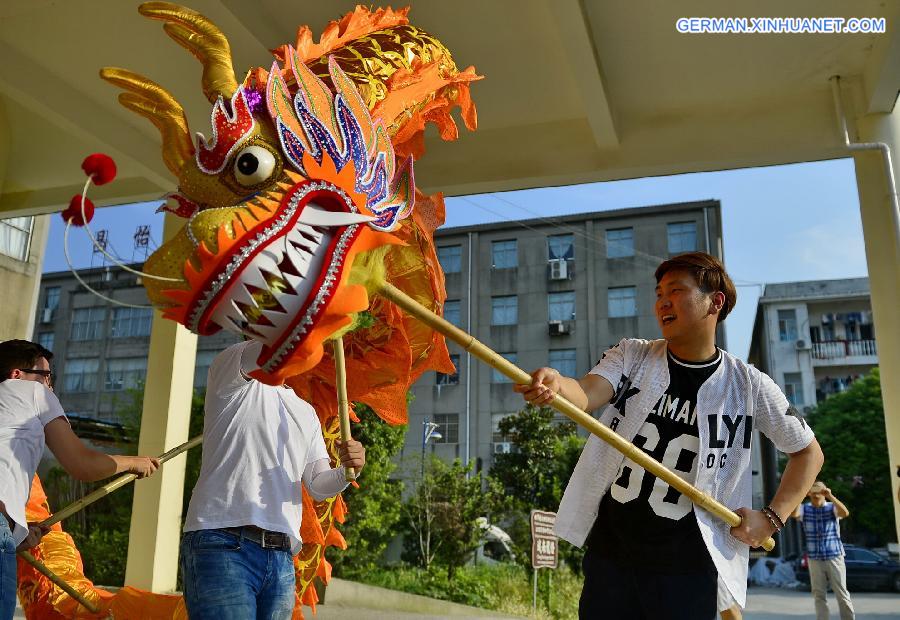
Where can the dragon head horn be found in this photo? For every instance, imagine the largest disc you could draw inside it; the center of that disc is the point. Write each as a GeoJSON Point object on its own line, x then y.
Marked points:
{"type": "Point", "coordinates": [155, 103]}
{"type": "Point", "coordinates": [203, 39]}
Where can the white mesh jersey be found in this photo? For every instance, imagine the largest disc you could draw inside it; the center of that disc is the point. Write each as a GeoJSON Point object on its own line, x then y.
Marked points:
{"type": "Point", "coordinates": [734, 400]}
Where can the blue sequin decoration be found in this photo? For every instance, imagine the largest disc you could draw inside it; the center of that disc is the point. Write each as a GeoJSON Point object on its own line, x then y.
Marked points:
{"type": "Point", "coordinates": [291, 146]}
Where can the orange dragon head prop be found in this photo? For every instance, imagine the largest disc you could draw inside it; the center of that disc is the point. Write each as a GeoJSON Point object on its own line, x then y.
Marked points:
{"type": "Point", "coordinates": [294, 209]}
{"type": "Point", "coordinates": [294, 203]}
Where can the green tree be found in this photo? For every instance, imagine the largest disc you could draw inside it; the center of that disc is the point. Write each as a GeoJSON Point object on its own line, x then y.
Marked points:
{"type": "Point", "coordinates": [441, 516]}
{"type": "Point", "coordinates": [374, 507]}
{"type": "Point", "coordinates": [850, 429]}
{"type": "Point", "coordinates": [535, 474]}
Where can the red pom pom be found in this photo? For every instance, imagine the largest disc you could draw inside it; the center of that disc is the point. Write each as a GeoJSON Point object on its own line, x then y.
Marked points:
{"type": "Point", "coordinates": [101, 168]}
{"type": "Point", "coordinates": [73, 212]}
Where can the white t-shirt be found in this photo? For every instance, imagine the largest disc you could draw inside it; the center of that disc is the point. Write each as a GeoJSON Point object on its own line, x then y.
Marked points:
{"type": "Point", "coordinates": [26, 407]}
{"type": "Point", "coordinates": [259, 442]}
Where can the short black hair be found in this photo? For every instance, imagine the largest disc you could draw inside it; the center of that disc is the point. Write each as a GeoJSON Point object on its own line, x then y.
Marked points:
{"type": "Point", "coordinates": [708, 271]}
{"type": "Point", "coordinates": [20, 354]}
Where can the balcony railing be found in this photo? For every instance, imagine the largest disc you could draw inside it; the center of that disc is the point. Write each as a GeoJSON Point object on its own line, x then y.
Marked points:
{"type": "Point", "coordinates": [830, 349]}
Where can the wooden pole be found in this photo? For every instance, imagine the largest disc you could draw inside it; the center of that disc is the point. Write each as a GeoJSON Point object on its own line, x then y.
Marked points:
{"type": "Point", "coordinates": [585, 420]}
{"type": "Point", "coordinates": [340, 367]}
{"type": "Point", "coordinates": [57, 580]}
{"type": "Point", "coordinates": [113, 485]}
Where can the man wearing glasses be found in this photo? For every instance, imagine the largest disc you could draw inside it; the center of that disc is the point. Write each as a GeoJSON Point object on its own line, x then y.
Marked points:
{"type": "Point", "coordinates": [30, 416]}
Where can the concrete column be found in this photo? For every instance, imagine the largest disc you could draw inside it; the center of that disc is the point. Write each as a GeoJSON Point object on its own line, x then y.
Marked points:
{"type": "Point", "coordinates": [882, 254]}
{"type": "Point", "coordinates": [156, 512]}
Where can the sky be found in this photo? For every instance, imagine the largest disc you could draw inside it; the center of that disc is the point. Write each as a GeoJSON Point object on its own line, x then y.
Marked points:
{"type": "Point", "coordinates": [780, 223]}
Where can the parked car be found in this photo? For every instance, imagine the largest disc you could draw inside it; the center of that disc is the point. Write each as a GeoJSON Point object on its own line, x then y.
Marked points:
{"type": "Point", "coordinates": [866, 570]}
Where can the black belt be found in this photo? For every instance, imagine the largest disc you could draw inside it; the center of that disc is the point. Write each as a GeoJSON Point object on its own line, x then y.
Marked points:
{"type": "Point", "coordinates": [264, 538]}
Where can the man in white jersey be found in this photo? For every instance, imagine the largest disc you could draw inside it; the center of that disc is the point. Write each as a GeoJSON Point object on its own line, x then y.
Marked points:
{"type": "Point", "coordinates": [693, 407]}
{"type": "Point", "coordinates": [30, 417]}
{"type": "Point", "coordinates": [243, 524]}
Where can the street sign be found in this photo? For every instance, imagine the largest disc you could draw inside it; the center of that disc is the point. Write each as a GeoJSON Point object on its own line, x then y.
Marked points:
{"type": "Point", "coordinates": [544, 547]}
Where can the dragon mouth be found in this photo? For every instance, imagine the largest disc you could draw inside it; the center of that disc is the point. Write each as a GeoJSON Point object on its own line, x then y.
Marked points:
{"type": "Point", "coordinates": [274, 283]}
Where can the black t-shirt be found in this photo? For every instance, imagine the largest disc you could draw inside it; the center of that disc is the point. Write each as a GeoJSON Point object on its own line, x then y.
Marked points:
{"type": "Point", "coordinates": [643, 522]}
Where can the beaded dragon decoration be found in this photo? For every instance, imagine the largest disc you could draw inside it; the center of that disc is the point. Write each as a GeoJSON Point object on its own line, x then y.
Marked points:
{"type": "Point", "coordinates": [299, 201]}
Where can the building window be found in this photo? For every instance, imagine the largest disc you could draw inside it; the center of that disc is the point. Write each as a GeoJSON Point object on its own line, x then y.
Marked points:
{"type": "Point", "coordinates": [131, 322]}
{"type": "Point", "coordinates": [87, 323]}
{"type": "Point", "coordinates": [560, 247]}
{"type": "Point", "coordinates": [81, 375]}
{"type": "Point", "coordinates": [452, 379]}
{"type": "Point", "coordinates": [15, 237]}
{"type": "Point", "coordinates": [682, 237]}
{"type": "Point", "coordinates": [201, 367]}
{"type": "Point", "coordinates": [563, 360]}
{"type": "Point", "coordinates": [793, 388]}
{"type": "Point", "coordinates": [619, 242]}
{"type": "Point", "coordinates": [622, 301]}
{"type": "Point", "coordinates": [125, 373]}
{"type": "Point", "coordinates": [45, 339]}
{"type": "Point", "coordinates": [504, 310]}
{"type": "Point", "coordinates": [504, 254]}
{"type": "Point", "coordinates": [450, 258]}
{"type": "Point", "coordinates": [561, 306]}
{"type": "Point", "coordinates": [787, 325]}
{"type": "Point", "coordinates": [451, 311]}
{"type": "Point", "coordinates": [448, 427]}
{"type": "Point", "coordinates": [499, 377]}
{"type": "Point", "coordinates": [51, 298]}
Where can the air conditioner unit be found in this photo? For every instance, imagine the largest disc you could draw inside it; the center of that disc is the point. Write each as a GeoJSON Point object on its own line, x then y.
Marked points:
{"type": "Point", "coordinates": [502, 447]}
{"type": "Point", "coordinates": [559, 269]}
{"type": "Point", "coordinates": [46, 315]}
{"type": "Point", "coordinates": [558, 328]}
{"type": "Point", "coordinates": [801, 345]}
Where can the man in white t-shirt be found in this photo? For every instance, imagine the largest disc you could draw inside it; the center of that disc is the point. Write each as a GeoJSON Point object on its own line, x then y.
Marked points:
{"type": "Point", "coordinates": [243, 523]}
{"type": "Point", "coordinates": [30, 416]}
{"type": "Point", "coordinates": [693, 407]}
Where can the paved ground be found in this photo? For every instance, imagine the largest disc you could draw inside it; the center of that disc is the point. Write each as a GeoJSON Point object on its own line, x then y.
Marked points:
{"type": "Point", "coordinates": [763, 604]}
{"type": "Point", "coordinates": [778, 604]}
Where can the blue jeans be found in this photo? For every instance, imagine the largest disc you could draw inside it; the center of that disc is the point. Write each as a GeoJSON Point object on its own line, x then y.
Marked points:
{"type": "Point", "coordinates": [227, 577]}
{"type": "Point", "coordinates": [7, 571]}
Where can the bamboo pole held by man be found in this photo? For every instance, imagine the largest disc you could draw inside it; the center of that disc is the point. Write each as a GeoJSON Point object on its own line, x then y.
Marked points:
{"type": "Point", "coordinates": [340, 366]}
{"type": "Point", "coordinates": [561, 404]}
{"type": "Point", "coordinates": [113, 485]}
{"type": "Point", "coordinates": [58, 581]}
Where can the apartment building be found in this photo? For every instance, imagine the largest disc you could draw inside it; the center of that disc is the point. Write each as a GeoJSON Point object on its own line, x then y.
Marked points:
{"type": "Point", "coordinates": [545, 291]}
{"type": "Point", "coordinates": [814, 339]}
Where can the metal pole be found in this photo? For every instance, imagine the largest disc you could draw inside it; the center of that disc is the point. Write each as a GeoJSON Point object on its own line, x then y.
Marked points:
{"type": "Point", "coordinates": [424, 440]}
{"type": "Point", "coordinates": [534, 593]}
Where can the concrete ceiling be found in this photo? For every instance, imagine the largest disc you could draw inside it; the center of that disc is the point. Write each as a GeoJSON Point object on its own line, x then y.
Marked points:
{"type": "Point", "coordinates": [573, 91]}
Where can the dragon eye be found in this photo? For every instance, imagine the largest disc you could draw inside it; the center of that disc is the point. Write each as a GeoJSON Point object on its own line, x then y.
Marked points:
{"type": "Point", "coordinates": [253, 165]}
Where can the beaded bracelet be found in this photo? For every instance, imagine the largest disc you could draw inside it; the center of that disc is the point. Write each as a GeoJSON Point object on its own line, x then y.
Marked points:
{"type": "Point", "coordinates": [777, 518]}
{"type": "Point", "coordinates": [774, 519]}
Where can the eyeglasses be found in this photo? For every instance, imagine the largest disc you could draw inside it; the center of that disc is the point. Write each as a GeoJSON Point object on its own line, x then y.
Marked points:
{"type": "Point", "coordinates": [46, 374]}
